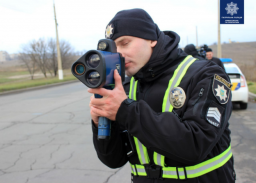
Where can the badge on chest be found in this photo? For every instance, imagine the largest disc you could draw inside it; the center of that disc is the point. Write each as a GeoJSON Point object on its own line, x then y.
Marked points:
{"type": "Point", "coordinates": [177, 97]}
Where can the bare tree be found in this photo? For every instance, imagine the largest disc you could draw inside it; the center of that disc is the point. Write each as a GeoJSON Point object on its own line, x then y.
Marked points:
{"type": "Point", "coordinates": [29, 64]}
{"type": "Point", "coordinates": [43, 54]}
{"type": "Point", "coordinates": [38, 53]}
{"type": "Point", "coordinates": [53, 63]}
{"type": "Point", "coordinates": [67, 55]}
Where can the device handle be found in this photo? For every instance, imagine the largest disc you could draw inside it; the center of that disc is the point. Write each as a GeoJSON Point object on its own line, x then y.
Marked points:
{"type": "Point", "coordinates": [104, 125]}
{"type": "Point", "coordinates": [104, 128]}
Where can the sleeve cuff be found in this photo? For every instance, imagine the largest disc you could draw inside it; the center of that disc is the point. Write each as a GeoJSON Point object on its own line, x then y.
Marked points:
{"type": "Point", "coordinates": [123, 111]}
{"type": "Point", "coordinates": [94, 128]}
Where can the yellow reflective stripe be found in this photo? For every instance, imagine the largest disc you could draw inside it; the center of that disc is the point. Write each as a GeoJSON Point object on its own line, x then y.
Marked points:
{"type": "Point", "coordinates": [181, 71]}
{"type": "Point", "coordinates": [138, 149]}
{"type": "Point", "coordinates": [141, 151]}
{"type": "Point", "coordinates": [175, 80]}
{"type": "Point", "coordinates": [170, 172]}
{"type": "Point", "coordinates": [131, 87]}
{"type": "Point", "coordinates": [162, 160]}
{"type": "Point", "coordinates": [158, 159]}
{"type": "Point", "coordinates": [145, 151]}
{"type": "Point", "coordinates": [133, 169]}
{"type": "Point", "coordinates": [155, 158]}
{"type": "Point", "coordinates": [181, 173]}
{"type": "Point", "coordinates": [170, 83]}
{"type": "Point", "coordinates": [209, 165]}
{"type": "Point", "coordinates": [141, 170]}
{"type": "Point", "coordinates": [135, 90]}
{"type": "Point", "coordinates": [180, 78]}
{"type": "Point", "coordinates": [193, 171]}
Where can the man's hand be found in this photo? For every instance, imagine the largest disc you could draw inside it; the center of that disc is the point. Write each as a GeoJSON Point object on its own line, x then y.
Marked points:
{"type": "Point", "coordinates": [108, 105]}
{"type": "Point", "coordinates": [94, 116]}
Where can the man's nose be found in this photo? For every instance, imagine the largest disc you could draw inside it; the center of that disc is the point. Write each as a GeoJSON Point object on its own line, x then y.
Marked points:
{"type": "Point", "coordinates": [119, 51]}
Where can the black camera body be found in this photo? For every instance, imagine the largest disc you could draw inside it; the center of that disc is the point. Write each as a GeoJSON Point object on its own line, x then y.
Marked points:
{"type": "Point", "coordinates": [202, 51]}
{"type": "Point", "coordinates": [95, 69]}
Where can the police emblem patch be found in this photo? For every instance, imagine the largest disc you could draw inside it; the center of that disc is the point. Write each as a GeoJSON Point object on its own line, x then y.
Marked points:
{"type": "Point", "coordinates": [109, 31]}
{"type": "Point", "coordinates": [214, 114]}
{"type": "Point", "coordinates": [221, 89]}
{"type": "Point", "coordinates": [177, 97]}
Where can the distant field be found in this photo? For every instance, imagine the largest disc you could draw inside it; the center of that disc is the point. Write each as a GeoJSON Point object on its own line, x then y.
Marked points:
{"type": "Point", "coordinates": [243, 54]}
{"type": "Point", "coordinates": [13, 76]}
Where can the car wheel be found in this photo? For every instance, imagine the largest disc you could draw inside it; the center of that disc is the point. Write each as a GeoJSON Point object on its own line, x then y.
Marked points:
{"type": "Point", "coordinates": [243, 105]}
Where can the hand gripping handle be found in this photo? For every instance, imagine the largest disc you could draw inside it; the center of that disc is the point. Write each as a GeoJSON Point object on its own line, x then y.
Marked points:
{"type": "Point", "coordinates": [104, 126]}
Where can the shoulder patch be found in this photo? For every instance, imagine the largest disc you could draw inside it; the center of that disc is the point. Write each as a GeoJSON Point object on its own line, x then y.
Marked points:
{"type": "Point", "coordinates": [214, 114]}
{"type": "Point", "coordinates": [221, 89]}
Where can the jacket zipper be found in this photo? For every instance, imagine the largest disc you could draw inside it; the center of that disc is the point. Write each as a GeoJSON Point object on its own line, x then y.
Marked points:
{"type": "Point", "coordinates": [200, 95]}
{"type": "Point", "coordinates": [144, 91]}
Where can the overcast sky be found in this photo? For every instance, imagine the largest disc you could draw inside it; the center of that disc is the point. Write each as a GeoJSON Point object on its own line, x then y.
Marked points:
{"type": "Point", "coordinates": [83, 22]}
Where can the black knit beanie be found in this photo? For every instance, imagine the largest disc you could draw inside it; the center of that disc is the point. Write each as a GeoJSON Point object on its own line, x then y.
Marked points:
{"type": "Point", "coordinates": [208, 50]}
{"type": "Point", "coordinates": [133, 22]}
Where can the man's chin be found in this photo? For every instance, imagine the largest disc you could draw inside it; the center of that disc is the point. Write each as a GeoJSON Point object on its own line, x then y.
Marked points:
{"type": "Point", "coordinates": [128, 74]}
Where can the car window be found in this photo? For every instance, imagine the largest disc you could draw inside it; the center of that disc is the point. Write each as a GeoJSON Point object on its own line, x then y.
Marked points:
{"type": "Point", "coordinates": [231, 69]}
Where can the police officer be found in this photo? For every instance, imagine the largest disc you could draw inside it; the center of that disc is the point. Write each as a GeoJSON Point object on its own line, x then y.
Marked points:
{"type": "Point", "coordinates": [170, 116]}
{"type": "Point", "coordinates": [190, 49]}
{"type": "Point", "coordinates": [209, 56]}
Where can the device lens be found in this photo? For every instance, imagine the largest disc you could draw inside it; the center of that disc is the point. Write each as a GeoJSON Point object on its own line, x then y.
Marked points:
{"type": "Point", "coordinates": [102, 46]}
{"type": "Point", "coordinates": [94, 60]}
{"type": "Point", "coordinates": [93, 78]}
{"type": "Point", "coordinates": [79, 69]}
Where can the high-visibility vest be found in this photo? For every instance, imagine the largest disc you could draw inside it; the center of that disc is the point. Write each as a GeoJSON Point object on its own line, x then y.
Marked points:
{"type": "Point", "coordinates": [174, 172]}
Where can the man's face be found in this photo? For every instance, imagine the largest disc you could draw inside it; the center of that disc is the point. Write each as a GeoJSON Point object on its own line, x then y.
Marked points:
{"type": "Point", "coordinates": [209, 55]}
{"type": "Point", "coordinates": [136, 52]}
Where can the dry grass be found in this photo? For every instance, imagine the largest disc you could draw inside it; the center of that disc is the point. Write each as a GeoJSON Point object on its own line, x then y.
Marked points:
{"type": "Point", "coordinates": [252, 86]}
{"type": "Point", "coordinates": [13, 78]}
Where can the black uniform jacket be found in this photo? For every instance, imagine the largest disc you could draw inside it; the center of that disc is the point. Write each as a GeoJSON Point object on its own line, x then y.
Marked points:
{"type": "Point", "coordinates": [218, 62]}
{"type": "Point", "coordinates": [185, 140]}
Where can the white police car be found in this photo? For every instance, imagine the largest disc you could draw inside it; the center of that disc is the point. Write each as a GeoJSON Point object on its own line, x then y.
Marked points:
{"type": "Point", "coordinates": [239, 86]}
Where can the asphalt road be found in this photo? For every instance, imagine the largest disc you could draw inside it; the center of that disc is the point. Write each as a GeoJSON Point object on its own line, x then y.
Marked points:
{"type": "Point", "coordinates": [45, 137]}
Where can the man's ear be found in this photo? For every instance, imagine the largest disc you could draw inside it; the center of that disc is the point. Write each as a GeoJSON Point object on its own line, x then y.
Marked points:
{"type": "Point", "coordinates": [153, 43]}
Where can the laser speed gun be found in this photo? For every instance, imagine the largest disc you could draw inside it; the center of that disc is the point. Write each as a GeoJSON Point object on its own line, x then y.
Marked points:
{"type": "Point", "coordinates": [95, 69]}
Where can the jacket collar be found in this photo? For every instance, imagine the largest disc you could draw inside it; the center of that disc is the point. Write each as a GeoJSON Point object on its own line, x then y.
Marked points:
{"type": "Point", "coordinates": [164, 55]}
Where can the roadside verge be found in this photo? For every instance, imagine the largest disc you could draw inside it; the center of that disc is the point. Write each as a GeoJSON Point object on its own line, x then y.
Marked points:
{"type": "Point", "coordinates": [252, 95]}
{"type": "Point", "coordinates": [36, 87]}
